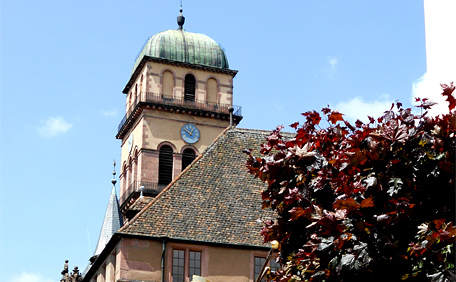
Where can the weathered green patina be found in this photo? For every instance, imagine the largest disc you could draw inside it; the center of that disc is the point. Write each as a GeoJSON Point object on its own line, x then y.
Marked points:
{"type": "Point", "coordinates": [186, 47]}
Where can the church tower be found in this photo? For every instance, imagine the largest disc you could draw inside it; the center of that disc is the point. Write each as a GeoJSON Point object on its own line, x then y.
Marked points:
{"type": "Point", "coordinates": [179, 98]}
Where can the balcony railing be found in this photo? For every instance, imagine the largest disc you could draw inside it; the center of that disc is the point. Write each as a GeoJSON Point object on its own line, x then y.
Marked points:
{"type": "Point", "coordinates": [150, 189]}
{"type": "Point", "coordinates": [163, 100]}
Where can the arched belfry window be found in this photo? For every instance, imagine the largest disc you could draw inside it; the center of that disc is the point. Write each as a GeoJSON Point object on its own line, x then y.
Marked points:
{"type": "Point", "coordinates": [168, 84]}
{"type": "Point", "coordinates": [165, 165]}
{"type": "Point", "coordinates": [188, 155]}
{"type": "Point", "coordinates": [189, 92]}
{"type": "Point", "coordinates": [212, 90]}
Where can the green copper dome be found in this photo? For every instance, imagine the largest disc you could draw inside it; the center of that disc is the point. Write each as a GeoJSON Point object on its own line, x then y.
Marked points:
{"type": "Point", "coordinates": [186, 47]}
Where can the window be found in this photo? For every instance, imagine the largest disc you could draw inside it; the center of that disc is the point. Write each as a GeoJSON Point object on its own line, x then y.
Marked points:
{"type": "Point", "coordinates": [168, 84]}
{"type": "Point", "coordinates": [189, 92]}
{"type": "Point", "coordinates": [141, 84]}
{"type": "Point", "coordinates": [194, 264]}
{"type": "Point", "coordinates": [187, 157]}
{"type": "Point", "coordinates": [274, 265]}
{"type": "Point", "coordinates": [165, 165]}
{"type": "Point", "coordinates": [212, 90]}
{"type": "Point", "coordinates": [129, 100]}
{"type": "Point", "coordinates": [258, 265]}
{"type": "Point", "coordinates": [186, 266]}
{"type": "Point", "coordinates": [178, 265]}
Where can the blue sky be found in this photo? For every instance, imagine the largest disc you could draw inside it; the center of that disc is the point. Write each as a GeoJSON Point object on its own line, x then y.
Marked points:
{"type": "Point", "coordinates": [65, 63]}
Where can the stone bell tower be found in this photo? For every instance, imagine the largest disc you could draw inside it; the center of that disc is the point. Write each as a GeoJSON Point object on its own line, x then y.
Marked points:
{"type": "Point", "coordinates": [179, 98]}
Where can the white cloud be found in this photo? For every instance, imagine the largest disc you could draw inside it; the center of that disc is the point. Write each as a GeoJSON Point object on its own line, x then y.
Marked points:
{"type": "Point", "coordinates": [428, 86]}
{"type": "Point", "coordinates": [110, 113]}
{"type": "Point", "coordinates": [440, 55]}
{"type": "Point", "coordinates": [357, 108]}
{"type": "Point", "coordinates": [330, 66]}
{"type": "Point", "coordinates": [333, 63]}
{"type": "Point", "coordinates": [53, 126]}
{"type": "Point", "coordinates": [30, 277]}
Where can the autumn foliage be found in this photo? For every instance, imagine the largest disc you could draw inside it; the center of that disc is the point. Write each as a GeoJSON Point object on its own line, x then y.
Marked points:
{"type": "Point", "coordinates": [365, 202]}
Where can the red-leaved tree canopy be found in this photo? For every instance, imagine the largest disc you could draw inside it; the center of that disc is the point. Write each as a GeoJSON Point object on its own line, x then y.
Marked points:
{"type": "Point", "coordinates": [363, 202]}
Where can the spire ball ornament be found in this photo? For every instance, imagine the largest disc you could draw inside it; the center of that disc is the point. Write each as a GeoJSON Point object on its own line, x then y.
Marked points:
{"type": "Point", "coordinates": [114, 181]}
{"type": "Point", "coordinates": [181, 19]}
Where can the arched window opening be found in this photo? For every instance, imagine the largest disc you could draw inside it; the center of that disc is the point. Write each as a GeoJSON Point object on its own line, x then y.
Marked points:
{"type": "Point", "coordinates": [189, 92]}
{"type": "Point", "coordinates": [187, 157]}
{"type": "Point", "coordinates": [212, 90]}
{"type": "Point", "coordinates": [168, 84]}
{"type": "Point", "coordinates": [123, 176]}
{"type": "Point", "coordinates": [165, 165]}
{"type": "Point", "coordinates": [129, 100]}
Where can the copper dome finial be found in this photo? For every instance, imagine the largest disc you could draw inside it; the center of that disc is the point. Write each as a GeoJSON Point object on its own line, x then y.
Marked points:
{"type": "Point", "coordinates": [181, 18]}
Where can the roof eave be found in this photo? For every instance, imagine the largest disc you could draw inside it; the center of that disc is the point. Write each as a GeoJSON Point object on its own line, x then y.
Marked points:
{"type": "Point", "coordinates": [195, 242]}
{"type": "Point", "coordinates": [102, 257]}
{"type": "Point", "coordinates": [146, 59]}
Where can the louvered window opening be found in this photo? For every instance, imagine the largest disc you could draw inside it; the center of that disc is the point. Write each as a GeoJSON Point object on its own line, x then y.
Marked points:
{"type": "Point", "coordinates": [189, 92]}
{"type": "Point", "coordinates": [165, 165]}
{"type": "Point", "coordinates": [187, 157]}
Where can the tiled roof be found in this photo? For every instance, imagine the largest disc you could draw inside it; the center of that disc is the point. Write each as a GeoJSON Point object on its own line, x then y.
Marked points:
{"type": "Point", "coordinates": [141, 203]}
{"type": "Point", "coordinates": [214, 200]}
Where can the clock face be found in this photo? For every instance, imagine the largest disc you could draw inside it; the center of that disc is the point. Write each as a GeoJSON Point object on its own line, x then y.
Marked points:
{"type": "Point", "coordinates": [190, 133]}
{"type": "Point", "coordinates": [130, 142]}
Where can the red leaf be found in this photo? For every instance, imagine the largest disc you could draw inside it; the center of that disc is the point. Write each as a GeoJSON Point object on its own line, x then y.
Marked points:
{"type": "Point", "coordinates": [448, 91]}
{"type": "Point", "coordinates": [438, 223]}
{"type": "Point", "coordinates": [294, 125]}
{"type": "Point", "coordinates": [425, 104]}
{"type": "Point", "coordinates": [312, 117]}
{"type": "Point", "coordinates": [335, 116]}
{"type": "Point", "coordinates": [367, 203]}
{"type": "Point", "coordinates": [349, 125]}
{"type": "Point", "coordinates": [358, 123]}
{"type": "Point", "coordinates": [298, 212]}
{"type": "Point", "coordinates": [348, 204]}
{"type": "Point", "coordinates": [326, 110]}
{"type": "Point", "coordinates": [396, 132]}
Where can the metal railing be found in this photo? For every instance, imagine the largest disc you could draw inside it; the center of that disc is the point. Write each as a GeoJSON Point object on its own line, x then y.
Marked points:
{"type": "Point", "coordinates": [150, 97]}
{"type": "Point", "coordinates": [150, 189]}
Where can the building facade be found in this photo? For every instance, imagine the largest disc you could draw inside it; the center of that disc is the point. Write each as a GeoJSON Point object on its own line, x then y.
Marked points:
{"type": "Point", "coordinates": [189, 208]}
{"type": "Point", "coordinates": [178, 100]}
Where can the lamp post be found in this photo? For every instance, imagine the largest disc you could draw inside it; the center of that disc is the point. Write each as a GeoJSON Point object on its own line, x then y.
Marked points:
{"type": "Point", "coordinates": [274, 246]}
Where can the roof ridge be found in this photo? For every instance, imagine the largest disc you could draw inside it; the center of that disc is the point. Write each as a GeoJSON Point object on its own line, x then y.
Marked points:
{"type": "Point", "coordinates": [265, 131]}
{"type": "Point", "coordinates": [175, 179]}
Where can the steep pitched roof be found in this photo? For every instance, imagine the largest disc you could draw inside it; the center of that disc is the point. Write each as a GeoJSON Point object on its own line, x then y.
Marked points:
{"type": "Point", "coordinates": [112, 222]}
{"type": "Point", "coordinates": [214, 200]}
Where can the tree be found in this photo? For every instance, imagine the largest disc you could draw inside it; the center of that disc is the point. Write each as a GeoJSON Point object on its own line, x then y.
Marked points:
{"type": "Point", "coordinates": [365, 202]}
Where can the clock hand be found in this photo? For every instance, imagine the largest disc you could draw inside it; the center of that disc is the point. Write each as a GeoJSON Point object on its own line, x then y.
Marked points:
{"type": "Point", "coordinates": [188, 131]}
